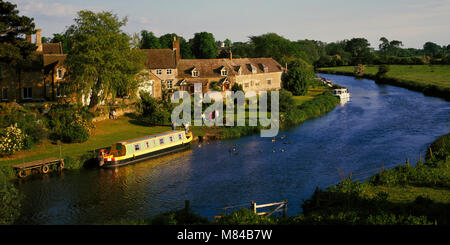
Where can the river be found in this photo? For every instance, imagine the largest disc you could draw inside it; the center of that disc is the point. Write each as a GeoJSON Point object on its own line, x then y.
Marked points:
{"type": "Point", "coordinates": [379, 127]}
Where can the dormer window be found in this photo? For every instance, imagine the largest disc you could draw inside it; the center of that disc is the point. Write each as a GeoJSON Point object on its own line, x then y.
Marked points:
{"type": "Point", "coordinates": [224, 72]}
{"type": "Point", "coordinates": [265, 68]}
{"type": "Point", "coordinates": [253, 68]}
{"type": "Point", "coordinates": [59, 73]}
{"type": "Point", "coordinates": [195, 72]}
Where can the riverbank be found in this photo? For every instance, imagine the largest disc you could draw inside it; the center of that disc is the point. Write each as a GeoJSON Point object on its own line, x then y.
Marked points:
{"type": "Point", "coordinates": [76, 155]}
{"type": "Point", "coordinates": [432, 80]}
{"type": "Point", "coordinates": [404, 195]}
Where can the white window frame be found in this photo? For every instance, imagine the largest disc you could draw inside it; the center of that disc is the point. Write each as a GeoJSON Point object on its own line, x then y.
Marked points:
{"type": "Point", "coordinates": [269, 81]}
{"type": "Point", "coordinates": [59, 73]}
{"type": "Point", "coordinates": [158, 71]}
{"type": "Point", "coordinates": [224, 72]}
{"type": "Point", "coordinates": [195, 73]}
{"type": "Point", "coordinates": [169, 83]}
{"type": "Point", "coordinates": [169, 71]}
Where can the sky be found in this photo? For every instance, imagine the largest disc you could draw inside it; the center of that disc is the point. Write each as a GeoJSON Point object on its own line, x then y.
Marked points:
{"type": "Point", "coordinates": [413, 22]}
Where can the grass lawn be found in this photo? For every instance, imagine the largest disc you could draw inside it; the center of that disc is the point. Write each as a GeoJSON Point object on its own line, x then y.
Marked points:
{"type": "Point", "coordinates": [438, 75]}
{"type": "Point", "coordinates": [407, 194]}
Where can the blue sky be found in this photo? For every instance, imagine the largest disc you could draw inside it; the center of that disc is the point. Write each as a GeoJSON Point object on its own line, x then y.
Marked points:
{"type": "Point", "coordinates": [412, 21]}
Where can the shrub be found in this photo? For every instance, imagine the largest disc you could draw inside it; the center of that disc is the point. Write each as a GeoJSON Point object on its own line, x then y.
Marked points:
{"type": "Point", "coordinates": [11, 140]}
{"type": "Point", "coordinates": [69, 123]}
{"type": "Point", "coordinates": [153, 111]}
{"type": "Point", "coordinates": [360, 70]}
{"type": "Point", "coordinates": [246, 216]}
{"type": "Point", "coordinates": [10, 200]}
{"type": "Point", "coordinates": [382, 70]}
{"type": "Point", "coordinates": [297, 80]}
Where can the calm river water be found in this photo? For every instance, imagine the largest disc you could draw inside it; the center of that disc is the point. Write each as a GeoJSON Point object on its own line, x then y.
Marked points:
{"type": "Point", "coordinates": [380, 125]}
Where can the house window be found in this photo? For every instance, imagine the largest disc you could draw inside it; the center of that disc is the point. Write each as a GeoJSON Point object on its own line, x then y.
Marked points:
{"type": "Point", "coordinates": [246, 85]}
{"type": "Point", "coordinates": [251, 83]}
{"type": "Point", "coordinates": [180, 137]}
{"type": "Point", "coordinates": [169, 71]}
{"type": "Point", "coordinates": [161, 141]}
{"type": "Point", "coordinates": [266, 69]}
{"type": "Point", "coordinates": [137, 147]}
{"type": "Point", "coordinates": [27, 93]}
{"type": "Point", "coordinates": [4, 93]}
{"type": "Point", "coordinates": [253, 69]}
{"type": "Point", "coordinates": [158, 72]}
{"type": "Point", "coordinates": [60, 91]}
{"type": "Point", "coordinates": [257, 83]}
{"type": "Point", "coordinates": [269, 81]}
{"type": "Point", "coordinates": [195, 73]}
{"type": "Point", "coordinates": [59, 73]}
{"type": "Point", "coordinates": [224, 72]}
{"type": "Point", "coordinates": [169, 84]}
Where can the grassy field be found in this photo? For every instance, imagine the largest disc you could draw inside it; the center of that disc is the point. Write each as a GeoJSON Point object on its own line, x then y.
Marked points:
{"type": "Point", "coordinates": [430, 79]}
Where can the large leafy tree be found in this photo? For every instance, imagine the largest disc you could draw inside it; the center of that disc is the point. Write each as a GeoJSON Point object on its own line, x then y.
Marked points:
{"type": "Point", "coordinates": [166, 41]}
{"type": "Point", "coordinates": [359, 48]}
{"type": "Point", "coordinates": [204, 46]}
{"type": "Point", "coordinates": [149, 40]}
{"type": "Point", "coordinates": [14, 49]}
{"type": "Point", "coordinates": [273, 45]}
{"type": "Point", "coordinates": [431, 49]}
{"type": "Point", "coordinates": [102, 61]}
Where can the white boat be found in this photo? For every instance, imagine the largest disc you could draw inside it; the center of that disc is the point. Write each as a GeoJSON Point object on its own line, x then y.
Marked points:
{"type": "Point", "coordinates": [342, 93]}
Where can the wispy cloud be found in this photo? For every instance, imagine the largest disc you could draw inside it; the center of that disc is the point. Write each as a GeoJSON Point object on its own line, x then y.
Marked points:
{"type": "Point", "coordinates": [49, 9]}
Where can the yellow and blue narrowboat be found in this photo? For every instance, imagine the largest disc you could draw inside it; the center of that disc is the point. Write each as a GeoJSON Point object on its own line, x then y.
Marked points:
{"type": "Point", "coordinates": [134, 150]}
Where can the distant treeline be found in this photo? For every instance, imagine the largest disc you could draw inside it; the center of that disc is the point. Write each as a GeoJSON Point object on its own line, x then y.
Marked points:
{"type": "Point", "coordinates": [317, 53]}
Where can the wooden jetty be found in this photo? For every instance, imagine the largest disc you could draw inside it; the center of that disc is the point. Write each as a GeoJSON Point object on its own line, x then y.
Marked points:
{"type": "Point", "coordinates": [42, 165]}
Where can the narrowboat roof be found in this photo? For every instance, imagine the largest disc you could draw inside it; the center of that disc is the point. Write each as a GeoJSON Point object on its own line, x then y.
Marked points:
{"type": "Point", "coordinates": [150, 137]}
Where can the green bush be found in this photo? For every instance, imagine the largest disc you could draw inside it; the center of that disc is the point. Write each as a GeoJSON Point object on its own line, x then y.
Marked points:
{"type": "Point", "coordinates": [10, 200]}
{"type": "Point", "coordinates": [246, 216]}
{"type": "Point", "coordinates": [153, 111]}
{"type": "Point", "coordinates": [69, 124]}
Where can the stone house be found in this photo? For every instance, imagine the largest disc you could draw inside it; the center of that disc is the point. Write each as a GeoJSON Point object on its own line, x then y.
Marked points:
{"type": "Point", "coordinates": [173, 73]}
{"type": "Point", "coordinates": [43, 80]}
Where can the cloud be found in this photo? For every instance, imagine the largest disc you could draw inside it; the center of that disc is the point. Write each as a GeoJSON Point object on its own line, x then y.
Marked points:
{"type": "Point", "coordinates": [50, 9]}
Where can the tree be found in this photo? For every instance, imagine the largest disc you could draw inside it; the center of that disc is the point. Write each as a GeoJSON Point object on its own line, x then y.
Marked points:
{"type": "Point", "coordinates": [297, 80]}
{"type": "Point", "coordinates": [273, 45]}
{"type": "Point", "coordinates": [102, 59]}
{"type": "Point", "coordinates": [384, 46]}
{"type": "Point", "coordinates": [431, 49]}
{"type": "Point", "coordinates": [166, 41]}
{"type": "Point", "coordinates": [14, 49]}
{"type": "Point", "coordinates": [65, 39]}
{"type": "Point", "coordinates": [204, 46]}
{"type": "Point", "coordinates": [149, 40]}
{"type": "Point", "coordinates": [359, 49]}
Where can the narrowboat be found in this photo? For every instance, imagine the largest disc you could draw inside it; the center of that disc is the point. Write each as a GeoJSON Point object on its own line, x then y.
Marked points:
{"type": "Point", "coordinates": [135, 150]}
{"type": "Point", "coordinates": [342, 93]}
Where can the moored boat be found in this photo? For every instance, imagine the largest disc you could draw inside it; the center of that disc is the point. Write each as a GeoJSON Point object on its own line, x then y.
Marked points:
{"type": "Point", "coordinates": [135, 150]}
{"type": "Point", "coordinates": [342, 93]}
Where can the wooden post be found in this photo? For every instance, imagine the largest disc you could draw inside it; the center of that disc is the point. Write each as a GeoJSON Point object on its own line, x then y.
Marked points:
{"type": "Point", "coordinates": [407, 162]}
{"type": "Point", "coordinates": [187, 206]}
{"type": "Point", "coordinates": [420, 158]}
{"type": "Point", "coordinates": [253, 206]}
{"type": "Point", "coordinates": [285, 209]}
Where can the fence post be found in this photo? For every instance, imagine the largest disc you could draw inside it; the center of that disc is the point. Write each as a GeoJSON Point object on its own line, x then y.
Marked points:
{"type": "Point", "coordinates": [407, 162]}
{"type": "Point", "coordinates": [285, 209]}
{"type": "Point", "coordinates": [253, 206]}
{"type": "Point", "coordinates": [187, 206]}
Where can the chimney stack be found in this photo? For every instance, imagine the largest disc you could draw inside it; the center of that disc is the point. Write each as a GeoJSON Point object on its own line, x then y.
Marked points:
{"type": "Point", "coordinates": [28, 38]}
{"type": "Point", "coordinates": [39, 40]}
{"type": "Point", "coordinates": [231, 54]}
{"type": "Point", "coordinates": [176, 48]}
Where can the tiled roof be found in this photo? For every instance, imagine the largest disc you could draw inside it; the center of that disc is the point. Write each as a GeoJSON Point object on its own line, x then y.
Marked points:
{"type": "Point", "coordinates": [160, 58]}
{"type": "Point", "coordinates": [52, 48]}
{"type": "Point", "coordinates": [51, 60]}
{"type": "Point", "coordinates": [212, 67]}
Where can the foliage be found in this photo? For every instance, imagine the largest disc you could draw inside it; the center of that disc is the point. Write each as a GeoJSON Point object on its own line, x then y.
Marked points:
{"type": "Point", "coordinates": [29, 121]}
{"type": "Point", "coordinates": [204, 46]}
{"type": "Point", "coordinates": [102, 57]}
{"type": "Point", "coordinates": [382, 70]}
{"type": "Point", "coordinates": [246, 216]}
{"type": "Point", "coordinates": [149, 40]}
{"type": "Point", "coordinates": [237, 87]}
{"type": "Point", "coordinates": [10, 200]}
{"type": "Point", "coordinates": [152, 111]}
{"type": "Point", "coordinates": [180, 217]}
{"type": "Point", "coordinates": [69, 123]}
{"type": "Point", "coordinates": [11, 140]}
{"type": "Point", "coordinates": [360, 70]}
{"type": "Point", "coordinates": [13, 47]}
{"type": "Point", "coordinates": [297, 80]}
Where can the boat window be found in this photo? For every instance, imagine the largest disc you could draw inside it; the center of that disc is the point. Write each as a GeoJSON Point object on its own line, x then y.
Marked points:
{"type": "Point", "coordinates": [161, 141]}
{"type": "Point", "coordinates": [171, 138]}
{"type": "Point", "coordinates": [148, 145]}
{"type": "Point", "coordinates": [180, 137]}
{"type": "Point", "coordinates": [136, 147]}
